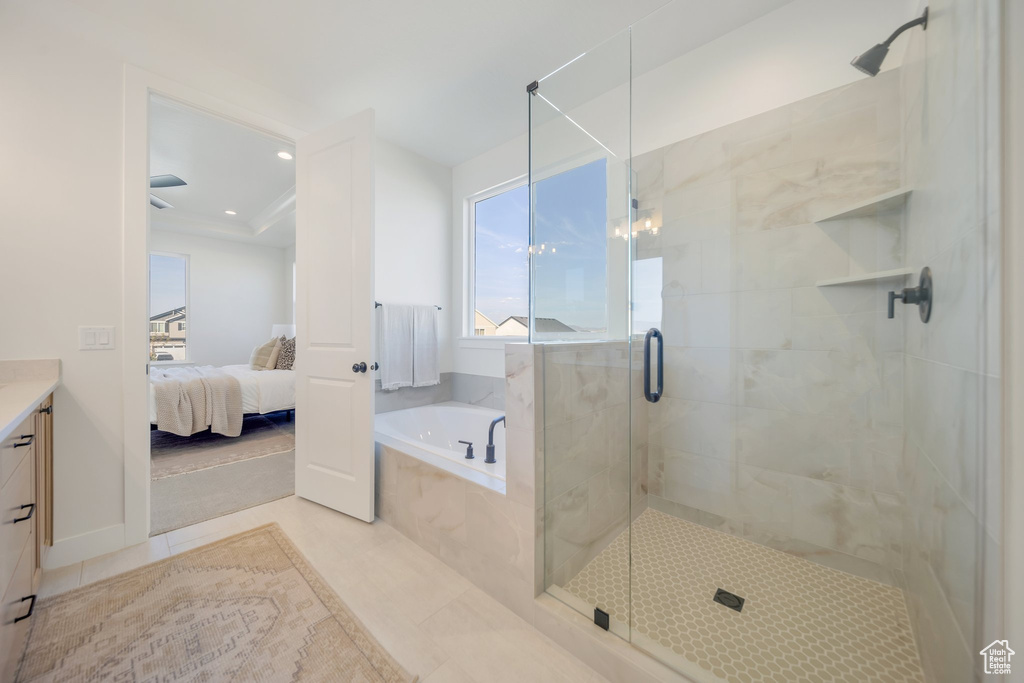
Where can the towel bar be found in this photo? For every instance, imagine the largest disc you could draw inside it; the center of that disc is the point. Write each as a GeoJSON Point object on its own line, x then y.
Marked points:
{"type": "Point", "coordinates": [377, 304]}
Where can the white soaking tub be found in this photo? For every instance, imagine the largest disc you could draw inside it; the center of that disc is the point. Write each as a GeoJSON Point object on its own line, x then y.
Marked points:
{"type": "Point", "coordinates": [432, 434]}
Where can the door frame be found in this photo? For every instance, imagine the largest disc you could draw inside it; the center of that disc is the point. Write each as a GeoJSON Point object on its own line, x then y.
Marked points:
{"type": "Point", "coordinates": [139, 86]}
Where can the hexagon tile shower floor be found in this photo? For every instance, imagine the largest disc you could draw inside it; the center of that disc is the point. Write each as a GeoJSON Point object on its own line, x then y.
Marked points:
{"type": "Point", "coordinates": [800, 620]}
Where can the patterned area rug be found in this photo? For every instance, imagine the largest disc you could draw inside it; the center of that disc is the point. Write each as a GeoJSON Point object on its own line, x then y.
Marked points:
{"type": "Point", "coordinates": [262, 435]}
{"type": "Point", "coordinates": [247, 608]}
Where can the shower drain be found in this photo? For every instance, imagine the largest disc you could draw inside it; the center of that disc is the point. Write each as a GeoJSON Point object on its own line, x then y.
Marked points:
{"type": "Point", "coordinates": [730, 600]}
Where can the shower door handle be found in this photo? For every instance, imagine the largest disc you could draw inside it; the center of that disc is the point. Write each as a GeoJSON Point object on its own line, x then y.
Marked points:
{"type": "Point", "coordinates": [653, 333]}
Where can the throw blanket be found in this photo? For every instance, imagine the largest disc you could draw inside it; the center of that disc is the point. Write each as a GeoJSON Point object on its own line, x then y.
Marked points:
{"type": "Point", "coordinates": [188, 400]}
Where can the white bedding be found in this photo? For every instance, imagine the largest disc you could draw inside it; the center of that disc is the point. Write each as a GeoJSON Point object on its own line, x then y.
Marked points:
{"type": "Point", "coordinates": [263, 391]}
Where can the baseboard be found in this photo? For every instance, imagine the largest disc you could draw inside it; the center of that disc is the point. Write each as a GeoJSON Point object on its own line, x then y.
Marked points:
{"type": "Point", "coordinates": [84, 547]}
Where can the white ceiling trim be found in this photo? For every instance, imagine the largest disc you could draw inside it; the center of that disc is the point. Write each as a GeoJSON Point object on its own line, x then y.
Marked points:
{"type": "Point", "coordinates": [280, 209]}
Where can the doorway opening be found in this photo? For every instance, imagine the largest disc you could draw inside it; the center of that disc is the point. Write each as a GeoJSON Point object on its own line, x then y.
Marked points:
{"type": "Point", "coordinates": [221, 316]}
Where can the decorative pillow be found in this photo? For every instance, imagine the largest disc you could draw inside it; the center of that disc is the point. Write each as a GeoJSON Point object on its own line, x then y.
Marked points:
{"type": "Point", "coordinates": [286, 359]}
{"type": "Point", "coordinates": [265, 357]}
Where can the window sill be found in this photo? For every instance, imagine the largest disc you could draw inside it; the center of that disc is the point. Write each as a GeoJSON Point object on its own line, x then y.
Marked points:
{"type": "Point", "coordinates": [484, 342]}
{"type": "Point", "coordinates": [165, 363]}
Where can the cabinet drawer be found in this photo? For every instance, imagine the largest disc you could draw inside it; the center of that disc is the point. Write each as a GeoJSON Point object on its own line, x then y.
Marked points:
{"type": "Point", "coordinates": [12, 635]}
{"type": "Point", "coordinates": [18, 491]}
{"type": "Point", "coordinates": [11, 454]}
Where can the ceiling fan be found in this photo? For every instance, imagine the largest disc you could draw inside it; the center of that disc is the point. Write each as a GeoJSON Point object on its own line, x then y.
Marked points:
{"type": "Point", "coordinates": [167, 180]}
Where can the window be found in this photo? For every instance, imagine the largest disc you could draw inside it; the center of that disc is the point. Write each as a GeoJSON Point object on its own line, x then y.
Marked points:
{"type": "Point", "coordinates": [572, 256]}
{"type": "Point", "coordinates": [572, 260]}
{"type": "Point", "coordinates": [168, 307]}
{"type": "Point", "coordinates": [501, 277]}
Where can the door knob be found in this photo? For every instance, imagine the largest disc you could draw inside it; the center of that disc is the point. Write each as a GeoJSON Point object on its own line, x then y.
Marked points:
{"type": "Point", "coordinates": [359, 367]}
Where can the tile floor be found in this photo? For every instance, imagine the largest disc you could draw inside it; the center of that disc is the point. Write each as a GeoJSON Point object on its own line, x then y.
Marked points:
{"type": "Point", "coordinates": [435, 622]}
{"type": "Point", "coordinates": [801, 620]}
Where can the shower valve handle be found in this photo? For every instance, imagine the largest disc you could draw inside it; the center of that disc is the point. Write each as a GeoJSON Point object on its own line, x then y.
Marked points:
{"type": "Point", "coordinates": [920, 295]}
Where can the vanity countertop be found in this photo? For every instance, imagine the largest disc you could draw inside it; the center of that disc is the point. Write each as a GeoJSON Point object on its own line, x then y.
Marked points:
{"type": "Point", "coordinates": [23, 386]}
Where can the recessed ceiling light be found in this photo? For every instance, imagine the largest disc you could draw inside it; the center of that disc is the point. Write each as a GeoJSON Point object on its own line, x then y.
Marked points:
{"type": "Point", "coordinates": [284, 155]}
{"type": "Point", "coordinates": [230, 212]}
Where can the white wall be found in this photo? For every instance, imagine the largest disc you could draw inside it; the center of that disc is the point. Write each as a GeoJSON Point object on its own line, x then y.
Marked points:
{"type": "Point", "coordinates": [61, 75]}
{"type": "Point", "coordinates": [501, 164]}
{"type": "Point", "coordinates": [799, 50]}
{"type": "Point", "coordinates": [237, 293]}
{"type": "Point", "coordinates": [289, 276]}
{"type": "Point", "coordinates": [413, 254]}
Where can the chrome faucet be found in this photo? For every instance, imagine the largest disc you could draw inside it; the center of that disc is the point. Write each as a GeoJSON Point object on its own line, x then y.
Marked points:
{"type": "Point", "coordinates": [490, 439]}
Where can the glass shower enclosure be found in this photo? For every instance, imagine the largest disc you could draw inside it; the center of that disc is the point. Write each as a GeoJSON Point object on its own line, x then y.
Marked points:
{"type": "Point", "coordinates": [758, 463]}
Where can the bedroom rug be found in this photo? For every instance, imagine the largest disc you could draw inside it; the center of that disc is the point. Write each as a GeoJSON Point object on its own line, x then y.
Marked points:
{"type": "Point", "coordinates": [194, 497]}
{"type": "Point", "coordinates": [262, 435]}
{"type": "Point", "coordinates": [246, 608]}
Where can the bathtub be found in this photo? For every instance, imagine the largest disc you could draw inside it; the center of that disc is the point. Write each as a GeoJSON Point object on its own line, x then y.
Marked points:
{"type": "Point", "coordinates": [432, 434]}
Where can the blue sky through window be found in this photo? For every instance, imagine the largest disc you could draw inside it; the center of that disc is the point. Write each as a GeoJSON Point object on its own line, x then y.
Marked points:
{"type": "Point", "coordinates": [166, 283]}
{"type": "Point", "coordinates": [571, 235]}
{"type": "Point", "coordinates": [571, 245]}
{"type": "Point", "coordinates": [502, 258]}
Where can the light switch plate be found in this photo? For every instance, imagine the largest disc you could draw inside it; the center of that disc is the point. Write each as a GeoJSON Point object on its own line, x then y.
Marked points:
{"type": "Point", "coordinates": [95, 338]}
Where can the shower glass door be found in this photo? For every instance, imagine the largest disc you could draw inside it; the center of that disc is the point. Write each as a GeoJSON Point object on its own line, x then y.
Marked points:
{"type": "Point", "coordinates": [748, 460]}
{"type": "Point", "coordinates": [580, 242]}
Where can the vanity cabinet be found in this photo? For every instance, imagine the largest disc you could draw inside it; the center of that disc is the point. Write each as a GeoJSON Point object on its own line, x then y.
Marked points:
{"type": "Point", "coordinates": [26, 457]}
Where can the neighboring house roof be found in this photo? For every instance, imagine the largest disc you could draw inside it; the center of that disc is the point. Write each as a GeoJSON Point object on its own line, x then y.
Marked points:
{"type": "Point", "coordinates": [163, 317]}
{"type": "Point", "coordinates": [543, 324]}
{"type": "Point", "coordinates": [481, 315]}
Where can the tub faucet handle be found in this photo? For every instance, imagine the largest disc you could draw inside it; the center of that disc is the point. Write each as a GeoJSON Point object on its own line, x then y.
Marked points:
{"type": "Point", "coordinates": [469, 449]}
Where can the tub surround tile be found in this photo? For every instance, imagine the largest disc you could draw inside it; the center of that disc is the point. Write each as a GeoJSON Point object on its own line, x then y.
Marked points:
{"type": "Point", "coordinates": [437, 500]}
{"type": "Point", "coordinates": [412, 397]}
{"type": "Point", "coordinates": [479, 390]}
{"type": "Point", "coordinates": [489, 539]}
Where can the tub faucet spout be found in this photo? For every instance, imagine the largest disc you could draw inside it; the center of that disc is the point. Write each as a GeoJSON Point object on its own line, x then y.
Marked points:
{"type": "Point", "coordinates": [490, 439]}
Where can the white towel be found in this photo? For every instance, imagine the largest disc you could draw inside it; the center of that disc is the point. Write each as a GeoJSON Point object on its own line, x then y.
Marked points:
{"type": "Point", "coordinates": [395, 340]}
{"type": "Point", "coordinates": [426, 362]}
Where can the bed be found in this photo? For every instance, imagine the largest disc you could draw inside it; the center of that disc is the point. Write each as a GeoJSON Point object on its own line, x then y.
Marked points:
{"type": "Point", "coordinates": [263, 391]}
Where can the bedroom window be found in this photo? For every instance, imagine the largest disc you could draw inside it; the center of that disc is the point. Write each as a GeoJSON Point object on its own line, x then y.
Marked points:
{"type": "Point", "coordinates": [500, 277]}
{"type": "Point", "coordinates": [168, 307]}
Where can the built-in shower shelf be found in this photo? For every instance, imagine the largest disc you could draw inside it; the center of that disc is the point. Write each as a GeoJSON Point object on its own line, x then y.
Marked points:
{"type": "Point", "coordinates": [867, 277]}
{"type": "Point", "coordinates": [887, 202]}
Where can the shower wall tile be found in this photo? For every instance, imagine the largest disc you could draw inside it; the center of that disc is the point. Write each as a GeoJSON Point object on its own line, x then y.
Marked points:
{"type": "Point", "coordinates": [783, 406]}
{"type": "Point", "coordinates": [699, 374]}
{"type": "Point", "coordinates": [764, 319]}
{"type": "Point", "coordinates": [702, 320]}
{"type": "Point", "coordinates": [813, 446]}
{"type": "Point", "coordinates": [951, 467]}
{"type": "Point", "coordinates": [590, 466]}
{"type": "Point", "coordinates": [681, 270]}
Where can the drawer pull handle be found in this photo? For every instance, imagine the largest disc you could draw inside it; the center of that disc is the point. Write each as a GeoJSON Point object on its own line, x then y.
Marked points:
{"type": "Point", "coordinates": [28, 516]}
{"type": "Point", "coordinates": [47, 410]}
{"type": "Point", "coordinates": [31, 608]}
{"type": "Point", "coordinates": [30, 437]}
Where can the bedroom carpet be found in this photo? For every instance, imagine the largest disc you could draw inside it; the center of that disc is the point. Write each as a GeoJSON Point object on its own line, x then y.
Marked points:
{"type": "Point", "coordinates": [262, 435]}
{"type": "Point", "coordinates": [185, 499]}
{"type": "Point", "coordinates": [247, 608]}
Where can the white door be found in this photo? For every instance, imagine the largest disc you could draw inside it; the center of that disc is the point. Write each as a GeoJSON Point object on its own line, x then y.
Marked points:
{"type": "Point", "coordinates": [334, 309]}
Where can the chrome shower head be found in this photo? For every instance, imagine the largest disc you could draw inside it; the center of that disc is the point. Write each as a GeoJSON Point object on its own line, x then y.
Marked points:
{"type": "Point", "coordinates": [870, 62]}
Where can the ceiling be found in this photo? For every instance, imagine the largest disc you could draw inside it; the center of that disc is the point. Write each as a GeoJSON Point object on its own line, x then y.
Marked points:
{"type": "Point", "coordinates": [447, 78]}
{"type": "Point", "coordinates": [228, 167]}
